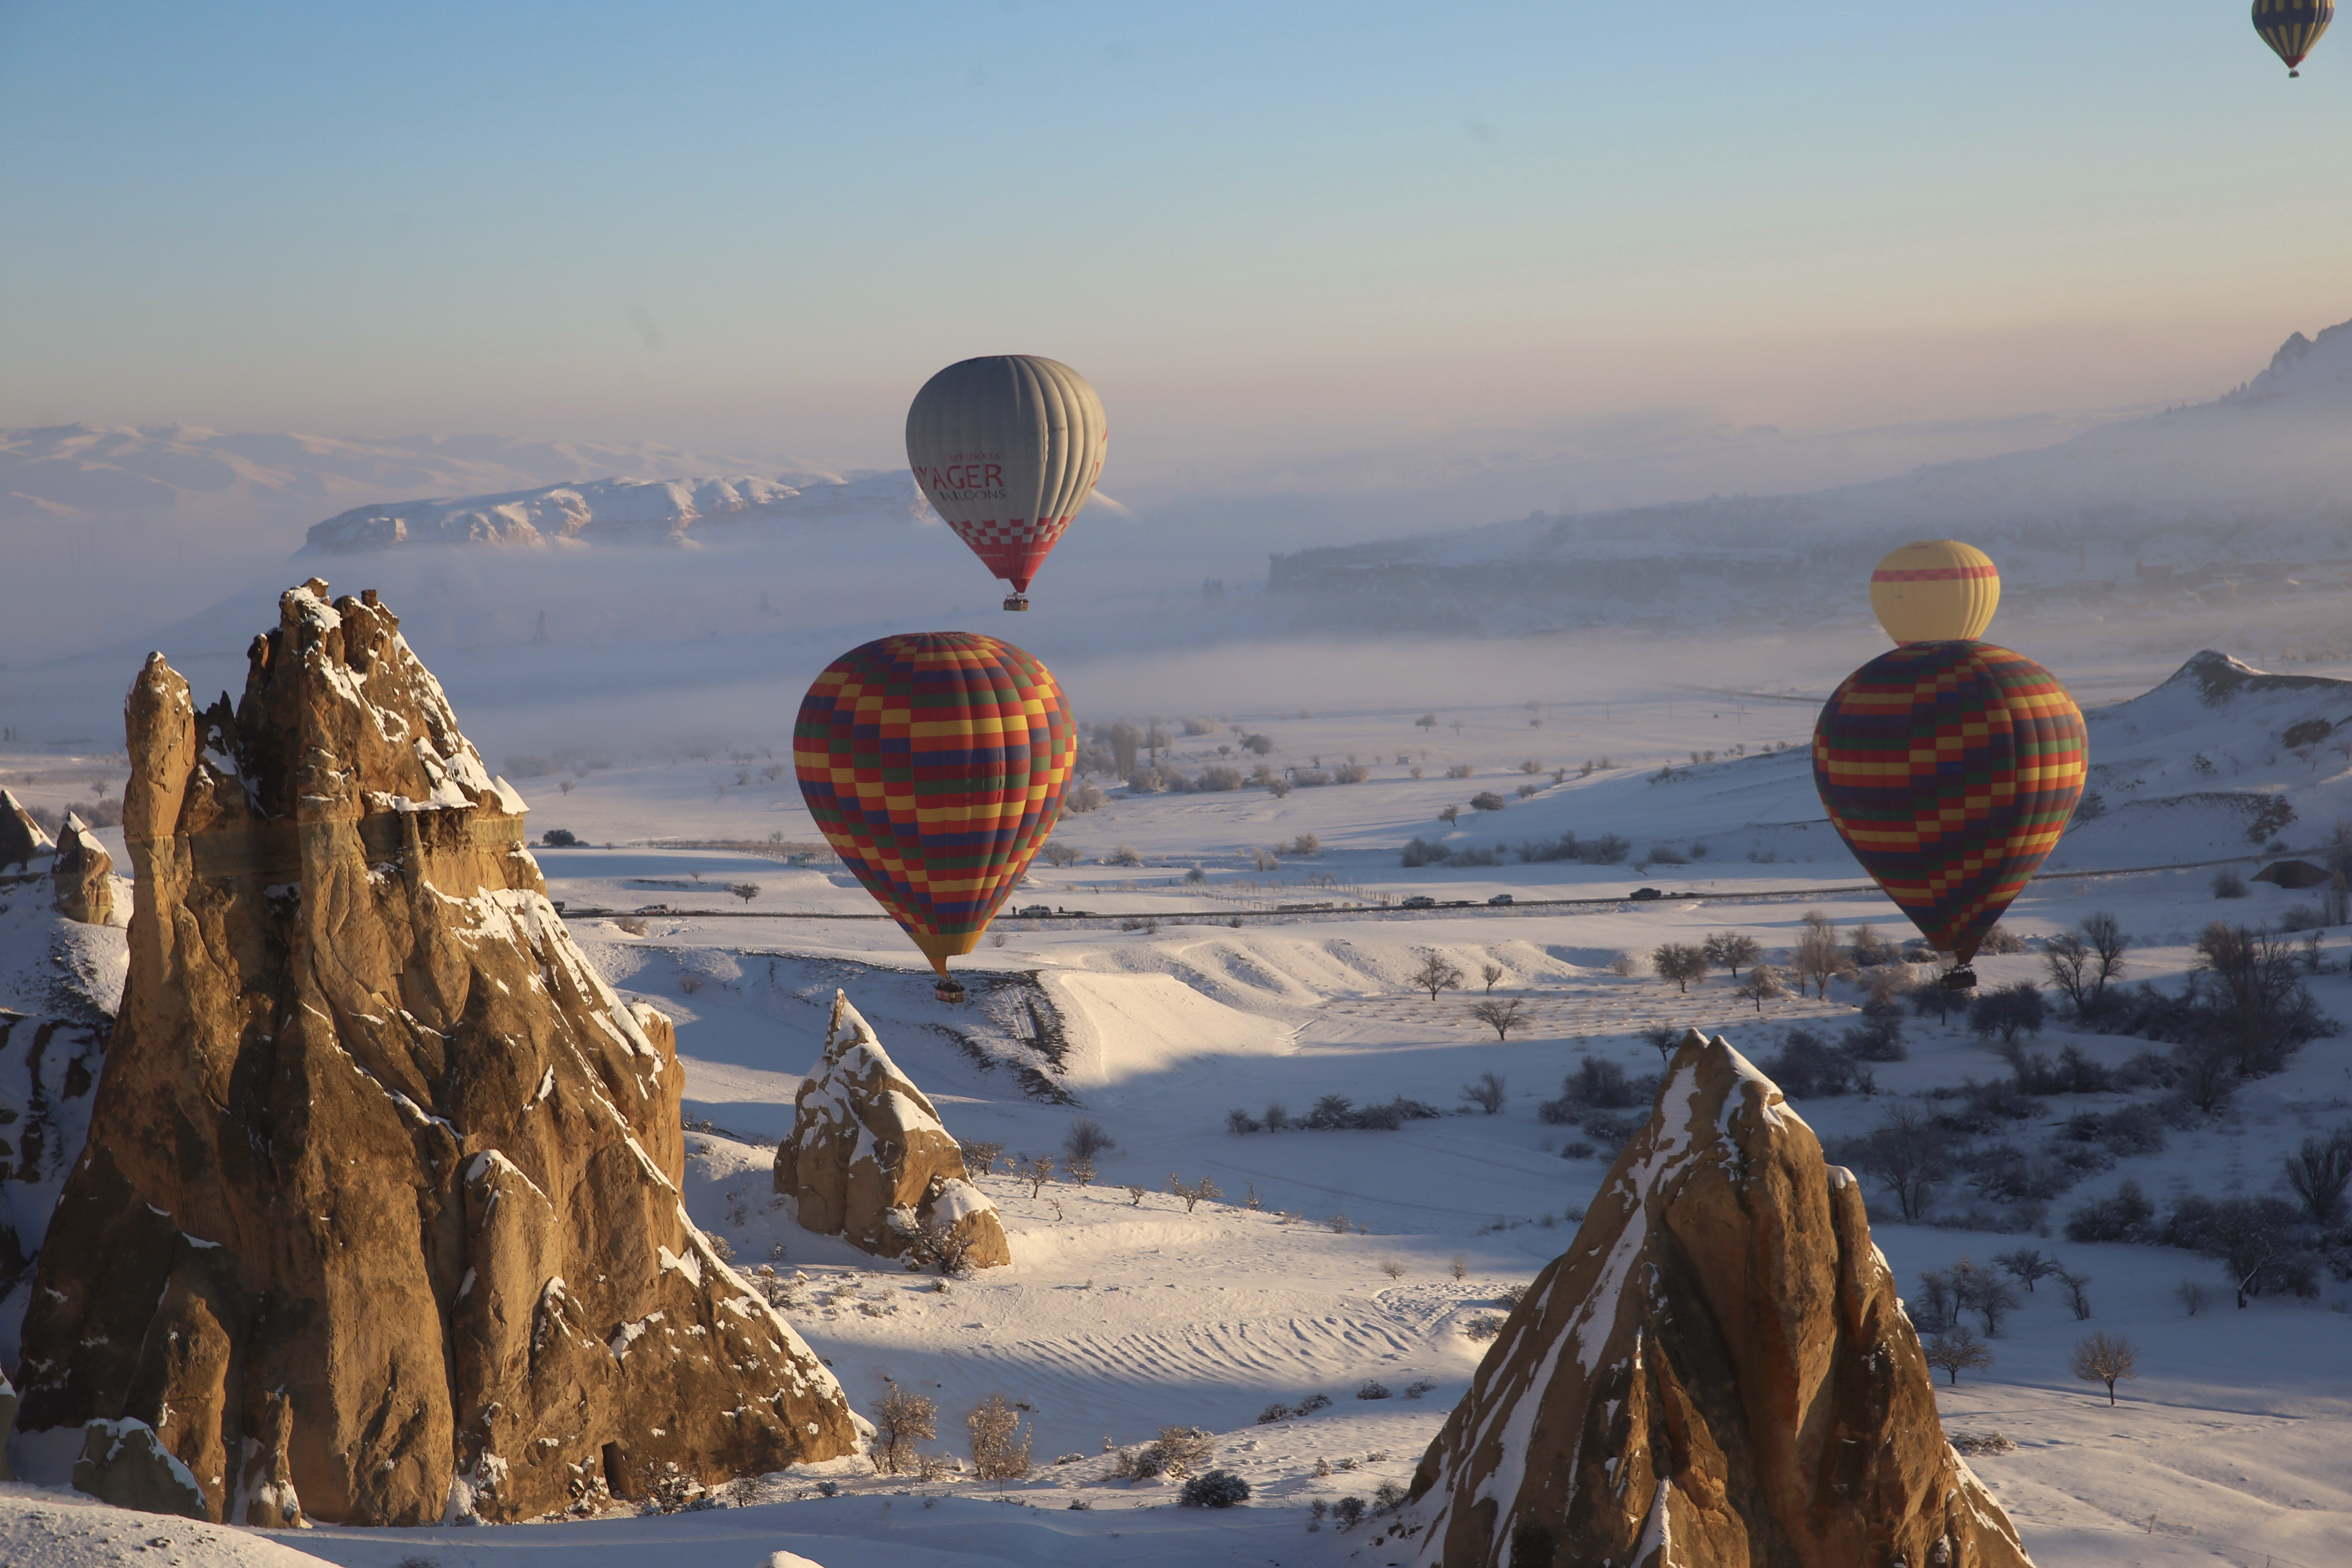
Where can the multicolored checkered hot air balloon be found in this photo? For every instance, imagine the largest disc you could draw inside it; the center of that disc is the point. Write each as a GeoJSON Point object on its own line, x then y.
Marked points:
{"type": "Point", "coordinates": [1950, 769]}
{"type": "Point", "coordinates": [934, 764]}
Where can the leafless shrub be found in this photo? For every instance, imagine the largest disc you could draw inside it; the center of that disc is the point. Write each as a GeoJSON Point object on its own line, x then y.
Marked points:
{"type": "Point", "coordinates": [1392, 1268]}
{"type": "Point", "coordinates": [1124, 855]}
{"type": "Point", "coordinates": [1418, 1387]}
{"type": "Point", "coordinates": [1487, 1094]}
{"type": "Point", "coordinates": [689, 982]}
{"type": "Point", "coordinates": [746, 891]}
{"type": "Point", "coordinates": [1195, 1193]}
{"type": "Point", "coordinates": [1976, 1445]}
{"type": "Point", "coordinates": [1483, 1327]}
{"type": "Point", "coordinates": [936, 1244]}
{"type": "Point", "coordinates": [1338, 1223]}
{"type": "Point", "coordinates": [1057, 854]}
{"type": "Point", "coordinates": [1460, 771]}
{"type": "Point", "coordinates": [1037, 1171]}
{"type": "Point", "coordinates": [1176, 1453]}
{"type": "Point", "coordinates": [999, 1443]}
{"type": "Point", "coordinates": [1460, 1266]}
{"type": "Point", "coordinates": [903, 1420]}
{"type": "Point", "coordinates": [1435, 975]}
{"type": "Point", "coordinates": [1087, 1138]}
{"type": "Point", "coordinates": [1081, 1170]}
{"type": "Point", "coordinates": [979, 1159]}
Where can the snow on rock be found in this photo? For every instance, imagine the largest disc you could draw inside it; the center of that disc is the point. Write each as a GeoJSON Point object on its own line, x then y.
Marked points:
{"type": "Point", "coordinates": [868, 1158]}
{"type": "Point", "coordinates": [383, 1164]}
{"type": "Point", "coordinates": [83, 875]}
{"type": "Point", "coordinates": [22, 839]}
{"type": "Point", "coordinates": [1716, 1373]}
{"type": "Point", "coordinates": [622, 510]}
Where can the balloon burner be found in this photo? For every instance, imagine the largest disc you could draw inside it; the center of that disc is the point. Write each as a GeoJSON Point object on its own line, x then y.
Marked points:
{"type": "Point", "coordinates": [1961, 979]}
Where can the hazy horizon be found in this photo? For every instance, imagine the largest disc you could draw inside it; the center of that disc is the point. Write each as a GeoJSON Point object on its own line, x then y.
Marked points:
{"type": "Point", "coordinates": [1561, 260]}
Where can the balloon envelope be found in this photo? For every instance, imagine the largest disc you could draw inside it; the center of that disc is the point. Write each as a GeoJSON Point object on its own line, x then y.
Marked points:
{"type": "Point", "coordinates": [1007, 449]}
{"type": "Point", "coordinates": [2291, 27]}
{"type": "Point", "coordinates": [934, 764]}
{"type": "Point", "coordinates": [1938, 590]}
{"type": "Point", "coordinates": [1950, 769]}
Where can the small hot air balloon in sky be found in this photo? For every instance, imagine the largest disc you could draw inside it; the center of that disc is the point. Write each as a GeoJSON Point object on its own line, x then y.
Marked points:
{"type": "Point", "coordinates": [1938, 590]}
{"type": "Point", "coordinates": [934, 763]}
{"type": "Point", "coordinates": [1008, 449]}
{"type": "Point", "coordinates": [2291, 27]}
{"type": "Point", "coordinates": [1950, 769]}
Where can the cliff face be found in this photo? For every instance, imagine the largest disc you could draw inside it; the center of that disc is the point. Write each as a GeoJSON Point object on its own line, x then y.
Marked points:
{"type": "Point", "coordinates": [1715, 1375]}
{"type": "Point", "coordinates": [869, 1159]}
{"type": "Point", "coordinates": [378, 1220]}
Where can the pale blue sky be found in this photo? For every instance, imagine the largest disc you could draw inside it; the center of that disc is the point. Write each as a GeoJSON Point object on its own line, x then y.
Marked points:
{"type": "Point", "coordinates": [1262, 229]}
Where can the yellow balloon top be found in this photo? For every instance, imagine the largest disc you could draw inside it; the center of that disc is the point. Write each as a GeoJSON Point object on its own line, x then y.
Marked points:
{"type": "Point", "coordinates": [1938, 590]}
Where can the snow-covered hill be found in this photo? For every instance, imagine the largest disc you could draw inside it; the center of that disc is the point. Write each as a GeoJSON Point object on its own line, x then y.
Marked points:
{"type": "Point", "coordinates": [640, 511]}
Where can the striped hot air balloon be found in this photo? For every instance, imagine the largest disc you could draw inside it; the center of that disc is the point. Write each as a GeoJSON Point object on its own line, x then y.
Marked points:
{"type": "Point", "coordinates": [2291, 27]}
{"type": "Point", "coordinates": [1950, 769]}
{"type": "Point", "coordinates": [1007, 449]}
{"type": "Point", "coordinates": [934, 764]}
{"type": "Point", "coordinates": [1938, 590]}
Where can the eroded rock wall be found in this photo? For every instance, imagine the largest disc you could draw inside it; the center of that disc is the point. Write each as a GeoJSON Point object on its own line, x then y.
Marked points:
{"type": "Point", "coordinates": [1715, 1375]}
{"type": "Point", "coordinates": [379, 1218]}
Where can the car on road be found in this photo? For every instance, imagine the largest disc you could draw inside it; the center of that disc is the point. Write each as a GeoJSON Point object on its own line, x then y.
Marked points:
{"type": "Point", "coordinates": [1644, 895]}
{"type": "Point", "coordinates": [1419, 902]}
{"type": "Point", "coordinates": [1502, 898]}
{"type": "Point", "coordinates": [1033, 912]}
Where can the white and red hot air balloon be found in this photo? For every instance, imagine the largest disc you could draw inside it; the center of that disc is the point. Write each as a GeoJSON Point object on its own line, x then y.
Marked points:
{"type": "Point", "coordinates": [1007, 449]}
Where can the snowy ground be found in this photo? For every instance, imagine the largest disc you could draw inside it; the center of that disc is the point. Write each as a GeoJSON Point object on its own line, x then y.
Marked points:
{"type": "Point", "coordinates": [1124, 1312]}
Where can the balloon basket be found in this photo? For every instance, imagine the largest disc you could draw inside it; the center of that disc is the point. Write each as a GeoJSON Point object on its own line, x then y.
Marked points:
{"type": "Point", "coordinates": [1016, 601]}
{"type": "Point", "coordinates": [950, 992]}
{"type": "Point", "coordinates": [1961, 979]}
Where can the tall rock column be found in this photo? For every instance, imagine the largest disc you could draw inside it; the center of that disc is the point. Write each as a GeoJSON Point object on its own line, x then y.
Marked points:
{"type": "Point", "coordinates": [83, 875]}
{"type": "Point", "coordinates": [1714, 1374]}
{"type": "Point", "coordinates": [378, 1220]}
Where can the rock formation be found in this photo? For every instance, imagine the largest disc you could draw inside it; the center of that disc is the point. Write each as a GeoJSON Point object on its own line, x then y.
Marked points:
{"type": "Point", "coordinates": [21, 838]}
{"type": "Point", "coordinates": [378, 1221]}
{"type": "Point", "coordinates": [869, 1159]}
{"type": "Point", "coordinates": [83, 875]}
{"type": "Point", "coordinates": [1716, 1373]}
{"type": "Point", "coordinates": [48, 1073]}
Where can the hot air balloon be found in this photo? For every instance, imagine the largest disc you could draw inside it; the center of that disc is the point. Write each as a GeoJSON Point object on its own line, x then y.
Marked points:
{"type": "Point", "coordinates": [2291, 27]}
{"type": "Point", "coordinates": [1007, 447]}
{"type": "Point", "coordinates": [934, 763]}
{"type": "Point", "coordinates": [1938, 590]}
{"type": "Point", "coordinates": [1950, 769]}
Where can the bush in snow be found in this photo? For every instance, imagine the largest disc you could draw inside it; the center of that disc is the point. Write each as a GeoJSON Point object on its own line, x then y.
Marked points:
{"type": "Point", "coordinates": [1373, 1389]}
{"type": "Point", "coordinates": [999, 1444]}
{"type": "Point", "coordinates": [1218, 1489]}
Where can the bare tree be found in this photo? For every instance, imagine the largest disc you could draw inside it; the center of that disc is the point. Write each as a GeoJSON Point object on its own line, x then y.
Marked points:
{"type": "Point", "coordinates": [1490, 972]}
{"type": "Point", "coordinates": [1082, 1170]}
{"type": "Point", "coordinates": [746, 891]}
{"type": "Point", "coordinates": [937, 1243]}
{"type": "Point", "coordinates": [1037, 1171]}
{"type": "Point", "coordinates": [1818, 959]}
{"type": "Point", "coordinates": [1979, 1291]}
{"type": "Point", "coordinates": [1500, 1016]}
{"type": "Point", "coordinates": [1086, 1139]}
{"type": "Point", "coordinates": [1680, 962]}
{"type": "Point", "coordinates": [1731, 950]}
{"type": "Point", "coordinates": [1436, 975]}
{"type": "Point", "coordinates": [1956, 1351]}
{"type": "Point", "coordinates": [1000, 1447]}
{"type": "Point", "coordinates": [2078, 1296]}
{"type": "Point", "coordinates": [2104, 1358]}
{"type": "Point", "coordinates": [1908, 1155]}
{"type": "Point", "coordinates": [1763, 985]}
{"type": "Point", "coordinates": [2026, 1265]}
{"type": "Point", "coordinates": [1195, 1193]}
{"type": "Point", "coordinates": [1486, 1094]}
{"type": "Point", "coordinates": [903, 1420]}
{"type": "Point", "coordinates": [2319, 1172]}
{"type": "Point", "coordinates": [2107, 943]}
{"type": "Point", "coordinates": [2068, 959]}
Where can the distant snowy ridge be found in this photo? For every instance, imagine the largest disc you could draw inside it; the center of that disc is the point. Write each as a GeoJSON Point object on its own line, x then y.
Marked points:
{"type": "Point", "coordinates": [62, 473]}
{"type": "Point", "coordinates": [618, 511]}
